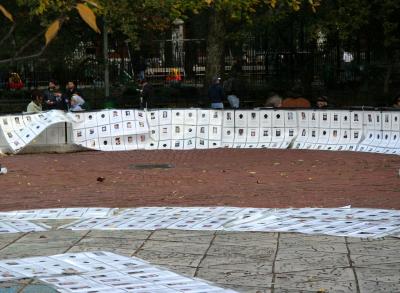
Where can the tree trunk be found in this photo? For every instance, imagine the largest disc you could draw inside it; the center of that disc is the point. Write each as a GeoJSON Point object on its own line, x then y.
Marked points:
{"type": "Point", "coordinates": [215, 46]}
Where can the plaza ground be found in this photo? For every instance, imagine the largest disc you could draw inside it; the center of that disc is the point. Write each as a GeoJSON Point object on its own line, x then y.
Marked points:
{"type": "Point", "coordinates": [243, 178]}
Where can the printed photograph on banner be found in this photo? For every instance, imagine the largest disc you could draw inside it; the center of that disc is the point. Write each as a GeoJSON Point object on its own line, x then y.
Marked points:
{"type": "Point", "coordinates": [190, 117]}
{"type": "Point", "coordinates": [155, 133]}
{"type": "Point", "coordinates": [140, 115]}
{"type": "Point", "coordinates": [386, 121]}
{"type": "Point", "coordinates": [115, 116]}
{"type": "Point", "coordinates": [335, 120]}
{"type": "Point", "coordinates": [313, 119]}
{"type": "Point", "coordinates": [177, 131]}
{"type": "Point", "coordinates": [142, 140]}
{"type": "Point", "coordinates": [290, 118]}
{"type": "Point", "coordinates": [177, 144]}
{"type": "Point", "coordinates": [216, 117]}
{"type": "Point", "coordinates": [214, 144]}
{"type": "Point", "coordinates": [395, 124]}
{"type": "Point", "coordinates": [141, 126]}
{"type": "Point", "coordinates": [165, 132]}
{"type": "Point", "coordinates": [165, 117]}
{"type": "Point", "coordinates": [93, 144]}
{"type": "Point", "coordinates": [27, 135]}
{"type": "Point", "coordinates": [202, 131]}
{"type": "Point", "coordinates": [178, 116]}
{"type": "Point", "coordinates": [214, 132]}
{"type": "Point", "coordinates": [189, 144]}
{"type": "Point", "coordinates": [152, 144]}
{"type": "Point", "coordinates": [104, 130]}
{"type": "Point", "coordinates": [116, 129]}
{"type": "Point", "coordinates": [278, 119]}
{"type": "Point", "coordinates": [253, 135]}
{"type": "Point", "coordinates": [79, 135]}
{"type": "Point", "coordinates": [164, 144]}
{"type": "Point", "coordinates": [324, 119]}
{"type": "Point", "coordinates": [377, 120]}
{"type": "Point", "coordinates": [90, 119]}
{"type": "Point", "coordinates": [103, 117]}
{"type": "Point", "coordinates": [130, 142]}
{"type": "Point", "coordinates": [334, 136]}
{"type": "Point", "coordinates": [189, 131]}
{"type": "Point", "coordinates": [240, 118]}
{"type": "Point", "coordinates": [228, 134]}
{"type": "Point", "coordinates": [6, 124]}
{"type": "Point", "coordinates": [323, 136]}
{"type": "Point", "coordinates": [201, 143]}
{"type": "Point", "coordinates": [152, 118]}
{"type": "Point", "coordinates": [128, 115]}
{"type": "Point", "coordinates": [240, 135]}
{"type": "Point", "coordinates": [118, 143]}
{"type": "Point", "coordinates": [17, 122]}
{"type": "Point", "coordinates": [78, 120]}
{"type": "Point", "coordinates": [91, 133]}
{"type": "Point", "coordinates": [106, 144]}
{"type": "Point", "coordinates": [228, 118]}
{"type": "Point", "coordinates": [345, 119]}
{"type": "Point", "coordinates": [266, 118]}
{"type": "Point", "coordinates": [253, 118]}
{"type": "Point", "coordinates": [303, 118]}
{"type": "Point", "coordinates": [203, 117]}
{"type": "Point", "coordinates": [394, 139]}
{"type": "Point", "coordinates": [129, 127]}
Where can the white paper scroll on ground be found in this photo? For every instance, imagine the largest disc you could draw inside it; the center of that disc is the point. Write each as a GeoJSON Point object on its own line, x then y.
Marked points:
{"type": "Point", "coordinates": [20, 130]}
{"type": "Point", "coordinates": [340, 221]}
{"type": "Point", "coordinates": [101, 271]}
{"type": "Point", "coordinates": [186, 129]}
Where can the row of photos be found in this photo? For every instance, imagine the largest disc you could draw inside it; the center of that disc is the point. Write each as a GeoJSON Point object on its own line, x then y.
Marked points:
{"type": "Point", "coordinates": [201, 129]}
{"type": "Point", "coordinates": [197, 128]}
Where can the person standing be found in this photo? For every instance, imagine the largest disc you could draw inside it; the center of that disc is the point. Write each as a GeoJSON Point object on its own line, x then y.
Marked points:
{"type": "Point", "coordinates": [70, 90]}
{"type": "Point", "coordinates": [146, 93]}
{"type": "Point", "coordinates": [52, 97]}
{"type": "Point", "coordinates": [216, 94]}
{"type": "Point", "coordinates": [35, 105]}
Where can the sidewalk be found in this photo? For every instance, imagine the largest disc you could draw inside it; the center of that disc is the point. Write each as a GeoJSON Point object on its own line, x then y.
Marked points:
{"type": "Point", "coordinates": [245, 262]}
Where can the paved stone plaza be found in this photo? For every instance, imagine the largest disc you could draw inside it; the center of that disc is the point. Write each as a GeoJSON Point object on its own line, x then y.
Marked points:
{"type": "Point", "coordinates": [245, 261]}
{"type": "Point", "coordinates": [242, 261]}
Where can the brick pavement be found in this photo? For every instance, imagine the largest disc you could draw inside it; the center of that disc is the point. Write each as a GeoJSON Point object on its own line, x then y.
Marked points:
{"type": "Point", "coordinates": [257, 178]}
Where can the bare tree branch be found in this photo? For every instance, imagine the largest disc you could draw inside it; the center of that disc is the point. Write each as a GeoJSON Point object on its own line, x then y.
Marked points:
{"type": "Point", "coordinates": [5, 38]}
{"type": "Point", "coordinates": [4, 61]}
{"type": "Point", "coordinates": [28, 43]}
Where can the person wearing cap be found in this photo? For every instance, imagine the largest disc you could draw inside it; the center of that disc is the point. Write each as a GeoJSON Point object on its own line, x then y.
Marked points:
{"type": "Point", "coordinates": [322, 102]}
{"type": "Point", "coordinates": [216, 94]}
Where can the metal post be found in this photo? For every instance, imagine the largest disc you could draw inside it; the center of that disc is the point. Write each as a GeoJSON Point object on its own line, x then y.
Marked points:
{"type": "Point", "coordinates": [106, 64]}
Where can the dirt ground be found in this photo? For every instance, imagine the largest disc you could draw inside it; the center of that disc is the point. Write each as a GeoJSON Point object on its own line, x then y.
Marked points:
{"type": "Point", "coordinates": [244, 178]}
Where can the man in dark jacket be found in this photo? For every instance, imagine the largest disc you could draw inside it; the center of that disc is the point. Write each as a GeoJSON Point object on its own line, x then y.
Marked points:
{"type": "Point", "coordinates": [52, 97]}
{"type": "Point", "coordinates": [216, 94]}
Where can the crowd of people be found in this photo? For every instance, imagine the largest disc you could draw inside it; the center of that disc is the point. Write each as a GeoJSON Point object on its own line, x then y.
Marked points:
{"type": "Point", "coordinates": [229, 91]}
{"type": "Point", "coordinates": [55, 99]}
{"type": "Point", "coordinates": [219, 92]}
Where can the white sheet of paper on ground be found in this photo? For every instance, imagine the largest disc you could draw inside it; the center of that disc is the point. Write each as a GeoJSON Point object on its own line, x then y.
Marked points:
{"type": "Point", "coordinates": [102, 272]}
{"type": "Point", "coordinates": [307, 220]}
{"type": "Point", "coordinates": [17, 226]}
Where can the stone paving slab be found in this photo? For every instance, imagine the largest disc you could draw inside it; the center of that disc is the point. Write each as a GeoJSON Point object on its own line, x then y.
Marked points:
{"type": "Point", "coordinates": [330, 280]}
{"type": "Point", "coordinates": [243, 261]}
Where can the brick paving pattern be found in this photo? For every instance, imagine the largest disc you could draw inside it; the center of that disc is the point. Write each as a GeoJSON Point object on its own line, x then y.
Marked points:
{"type": "Point", "coordinates": [256, 178]}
